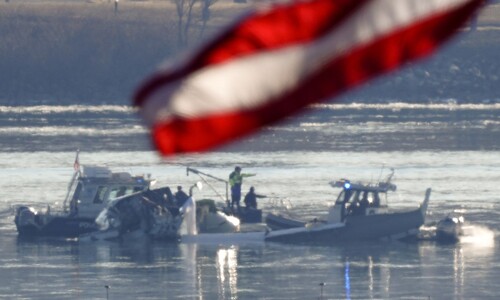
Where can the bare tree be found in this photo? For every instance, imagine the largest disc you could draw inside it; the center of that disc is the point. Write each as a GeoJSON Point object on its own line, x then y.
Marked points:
{"type": "Point", "coordinates": [184, 19]}
{"type": "Point", "coordinates": [205, 14]}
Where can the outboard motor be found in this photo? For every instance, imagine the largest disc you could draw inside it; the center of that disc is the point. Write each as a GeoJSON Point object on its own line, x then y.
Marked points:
{"type": "Point", "coordinates": [25, 216]}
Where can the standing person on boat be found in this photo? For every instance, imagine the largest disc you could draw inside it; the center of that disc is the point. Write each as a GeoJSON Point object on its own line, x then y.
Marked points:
{"type": "Point", "coordinates": [235, 180]}
{"type": "Point", "coordinates": [251, 198]}
{"type": "Point", "coordinates": [180, 196]}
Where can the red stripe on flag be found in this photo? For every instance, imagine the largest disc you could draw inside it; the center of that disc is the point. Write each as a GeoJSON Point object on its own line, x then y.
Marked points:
{"type": "Point", "coordinates": [281, 26]}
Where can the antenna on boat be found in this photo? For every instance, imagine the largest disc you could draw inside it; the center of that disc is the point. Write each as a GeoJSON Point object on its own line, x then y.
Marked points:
{"type": "Point", "coordinates": [76, 167]}
{"type": "Point", "coordinates": [321, 286]}
{"type": "Point", "coordinates": [389, 178]}
{"type": "Point", "coordinates": [381, 171]}
{"type": "Point", "coordinates": [107, 291]}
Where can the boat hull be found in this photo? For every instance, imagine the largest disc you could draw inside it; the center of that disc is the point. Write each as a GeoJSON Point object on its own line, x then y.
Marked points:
{"type": "Point", "coordinates": [90, 190]}
{"type": "Point", "coordinates": [278, 222]}
{"type": "Point", "coordinates": [375, 227]}
{"type": "Point", "coordinates": [448, 230]}
{"type": "Point", "coordinates": [65, 227]}
{"type": "Point", "coordinates": [245, 215]}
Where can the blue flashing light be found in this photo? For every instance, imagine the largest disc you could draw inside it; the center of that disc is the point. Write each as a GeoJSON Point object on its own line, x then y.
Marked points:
{"type": "Point", "coordinates": [347, 185]}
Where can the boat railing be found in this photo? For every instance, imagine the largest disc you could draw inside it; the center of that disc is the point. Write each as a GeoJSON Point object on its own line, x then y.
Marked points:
{"type": "Point", "coordinates": [71, 188]}
{"type": "Point", "coordinates": [280, 204]}
{"type": "Point", "coordinates": [203, 176]}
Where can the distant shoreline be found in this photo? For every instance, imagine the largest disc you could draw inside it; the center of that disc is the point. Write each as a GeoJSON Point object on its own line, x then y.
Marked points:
{"type": "Point", "coordinates": [60, 52]}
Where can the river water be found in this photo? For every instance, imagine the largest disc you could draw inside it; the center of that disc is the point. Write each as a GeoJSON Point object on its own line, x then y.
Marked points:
{"type": "Point", "coordinates": [452, 148]}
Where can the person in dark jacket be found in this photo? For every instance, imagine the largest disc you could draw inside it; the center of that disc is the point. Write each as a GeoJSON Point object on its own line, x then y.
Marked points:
{"type": "Point", "coordinates": [251, 198]}
{"type": "Point", "coordinates": [180, 196]}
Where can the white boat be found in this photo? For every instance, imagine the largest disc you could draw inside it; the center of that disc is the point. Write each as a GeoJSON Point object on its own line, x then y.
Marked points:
{"type": "Point", "coordinates": [360, 213]}
{"type": "Point", "coordinates": [282, 215]}
{"type": "Point", "coordinates": [145, 213]}
{"type": "Point", "coordinates": [244, 214]}
{"type": "Point", "coordinates": [91, 189]}
{"type": "Point", "coordinates": [151, 214]}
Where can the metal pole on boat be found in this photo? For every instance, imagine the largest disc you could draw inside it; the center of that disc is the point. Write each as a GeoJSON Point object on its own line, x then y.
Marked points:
{"type": "Point", "coordinates": [201, 174]}
{"type": "Point", "coordinates": [321, 285]}
{"type": "Point", "coordinates": [227, 194]}
{"type": "Point", "coordinates": [107, 291]}
{"type": "Point", "coordinates": [76, 167]}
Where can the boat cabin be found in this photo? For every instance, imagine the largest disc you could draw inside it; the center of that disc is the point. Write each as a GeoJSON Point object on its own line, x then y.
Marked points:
{"type": "Point", "coordinates": [94, 187]}
{"type": "Point", "coordinates": [356, 199]}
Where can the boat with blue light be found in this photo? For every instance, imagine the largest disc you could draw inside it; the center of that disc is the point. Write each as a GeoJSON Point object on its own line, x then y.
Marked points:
{"type": "Point", "coordinates": [360, 213]}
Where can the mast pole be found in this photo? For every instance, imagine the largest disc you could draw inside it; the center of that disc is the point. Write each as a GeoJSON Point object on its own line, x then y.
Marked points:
{"type": "Point", "coordinates": [76, 167]}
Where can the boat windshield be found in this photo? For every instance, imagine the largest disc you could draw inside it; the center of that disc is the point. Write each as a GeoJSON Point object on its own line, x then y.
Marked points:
{"type": "Point", "coordinates": [101, 194]}
{"type": "Point", "coordinates": [105, 193]}
{"type": "Point", "coordinates": [370, 198]}
{"type": "Point", "coordinates": [117, 192]}
{"type": "Point", "coordinates": [341, 197]}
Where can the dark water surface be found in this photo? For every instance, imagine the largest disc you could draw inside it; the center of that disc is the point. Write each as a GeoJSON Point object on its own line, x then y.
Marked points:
{"type": "Point", "coordinates": [453, 148]}
{"type": "Point", "coordinates": [463, 181]}
{"type": "Point", "coordinates": [397, 126]}
{"type": "Point", "coordinates": [141, 270]}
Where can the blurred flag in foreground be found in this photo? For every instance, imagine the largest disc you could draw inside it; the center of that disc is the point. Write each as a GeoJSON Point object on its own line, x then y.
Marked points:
{"type": "Point", "coordinates": [271, 64]}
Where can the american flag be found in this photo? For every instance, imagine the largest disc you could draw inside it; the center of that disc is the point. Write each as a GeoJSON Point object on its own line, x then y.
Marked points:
{"type": "Point", "coordinates": [272, 63]}
{"type": "Point", "coordinates": [76, 164]}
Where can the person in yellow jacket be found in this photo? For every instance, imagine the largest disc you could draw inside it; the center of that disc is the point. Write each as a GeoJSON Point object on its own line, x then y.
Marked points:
{"type": "Point", "coordinates": [235, 181]}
